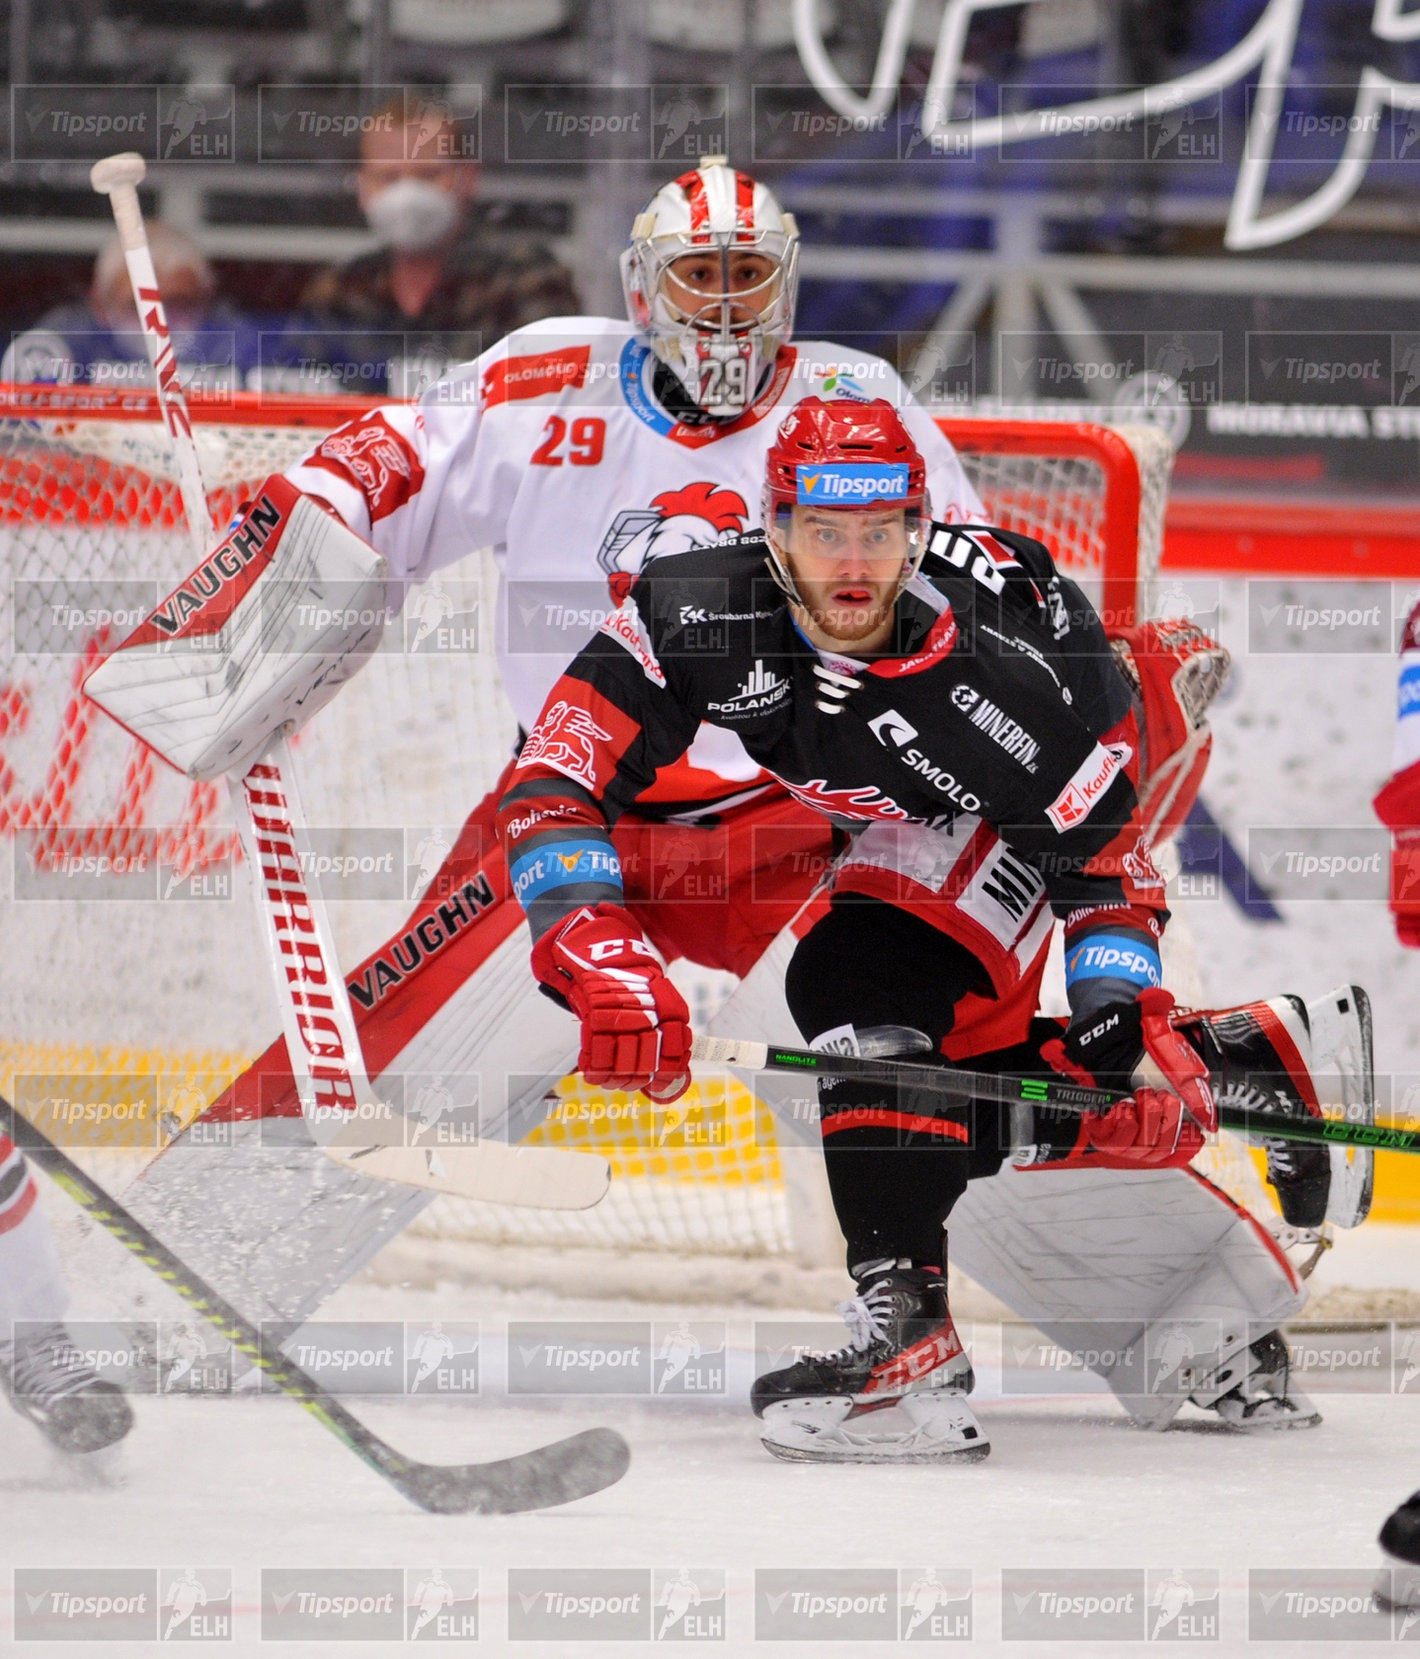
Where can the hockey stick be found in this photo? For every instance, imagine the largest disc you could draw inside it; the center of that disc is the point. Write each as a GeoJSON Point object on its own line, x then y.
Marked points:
{"type": "Point", "coordinates": [558, 1473]}
{"type": "Point", "coordinates": [957, 1085]}
{"type": "Point", "coordinates": [346, 1119]}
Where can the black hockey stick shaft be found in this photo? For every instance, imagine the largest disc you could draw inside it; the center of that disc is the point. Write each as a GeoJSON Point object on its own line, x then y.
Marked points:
{"type": "Point", "coordinates": [1057, 1092]}
{"type": "Point", "coordinates": [558, 1473]}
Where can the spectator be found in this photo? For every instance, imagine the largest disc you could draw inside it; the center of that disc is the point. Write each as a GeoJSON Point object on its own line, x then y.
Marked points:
{"type": "Point", "coordinates": [98, 341]}
{"type": "Point", "coordinates": [436, 292]}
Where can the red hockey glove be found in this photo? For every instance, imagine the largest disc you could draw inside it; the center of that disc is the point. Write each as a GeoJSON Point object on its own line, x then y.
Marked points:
{"type": "Point", "coordinates": [635, 1025]}
{"type": "Point", "coordinates": [1105, 1050]}
{"type": "Point", "coordinates": [1398, 808]}
{"type": "Point", "coordinates": [1150, 1130]}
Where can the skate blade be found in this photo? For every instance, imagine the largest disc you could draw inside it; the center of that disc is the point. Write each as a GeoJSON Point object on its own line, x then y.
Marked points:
{"type": "Point", "coordinates": [974, 1453]}
{"type": "Point", "coordinates": [1271, 1425]}
{"type": "Point", "coordinates": [940, 1429]}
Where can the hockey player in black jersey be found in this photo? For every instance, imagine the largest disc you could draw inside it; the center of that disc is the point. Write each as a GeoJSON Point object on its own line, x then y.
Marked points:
{"type": "Point", "coordinates": [949, 700]}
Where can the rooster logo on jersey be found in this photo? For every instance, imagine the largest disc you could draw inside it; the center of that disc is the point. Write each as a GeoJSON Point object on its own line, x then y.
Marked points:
{"type": "Point", "coordinates": [699, 515]}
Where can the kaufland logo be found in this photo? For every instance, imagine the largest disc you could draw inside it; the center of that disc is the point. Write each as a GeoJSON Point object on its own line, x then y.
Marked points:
{"type": "Point", "coordinates": [845, 485]}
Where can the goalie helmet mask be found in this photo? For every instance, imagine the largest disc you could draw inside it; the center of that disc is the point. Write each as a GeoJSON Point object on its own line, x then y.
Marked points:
{"type": "Point", "coordinates": [843, 454]}
{"type": "Point", "coordinates": [718, 319]}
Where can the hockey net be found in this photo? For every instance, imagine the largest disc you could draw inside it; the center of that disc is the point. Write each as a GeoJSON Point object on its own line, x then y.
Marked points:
{"type": "Point", "coordinates": [133, 985]}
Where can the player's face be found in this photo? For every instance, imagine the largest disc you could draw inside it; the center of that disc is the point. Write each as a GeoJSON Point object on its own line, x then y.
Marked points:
{"type": "Point", "coordinates": [697, 284]}
{"type": "Point", "coordinates": [847, 564]}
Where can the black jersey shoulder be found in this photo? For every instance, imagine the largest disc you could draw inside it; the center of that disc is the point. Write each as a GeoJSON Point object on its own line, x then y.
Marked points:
{"type": "Point", "coordinates": [729, 581]}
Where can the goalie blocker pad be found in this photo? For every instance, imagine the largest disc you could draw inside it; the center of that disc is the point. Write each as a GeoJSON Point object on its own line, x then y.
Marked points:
{"type": "Point", "coordinates": [262, 634]}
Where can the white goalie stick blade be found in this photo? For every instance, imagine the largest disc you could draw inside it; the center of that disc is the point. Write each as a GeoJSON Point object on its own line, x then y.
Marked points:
{"type": "Point", "coordinates": [533, 1177]}
{"type": "Point", "coordinates": [1342, 1063]}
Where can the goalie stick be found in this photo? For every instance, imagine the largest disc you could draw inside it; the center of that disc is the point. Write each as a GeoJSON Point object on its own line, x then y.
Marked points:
{"type": "Point", "coordinates": [554, 1474]}
{"type": "Point", "coordinates": [339, 1104]}
{"type": "Point", "coordinates": [958, 1085]}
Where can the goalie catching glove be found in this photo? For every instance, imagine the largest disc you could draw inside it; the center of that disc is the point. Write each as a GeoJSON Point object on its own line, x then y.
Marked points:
{"type": "Point", "coordinates": [1133, 1045]}
{"type": "Point", "coordinates": [262, 634]}
{"type": "Point", "coordinates": [635, 1024]}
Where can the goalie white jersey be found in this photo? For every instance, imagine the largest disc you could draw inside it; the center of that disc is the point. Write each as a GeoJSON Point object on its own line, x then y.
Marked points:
{"type": "Point", "coordinates": [553, 449]}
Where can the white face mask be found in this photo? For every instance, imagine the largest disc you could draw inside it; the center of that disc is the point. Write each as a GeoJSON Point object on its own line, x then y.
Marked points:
{"type": "Point", "coordinates": [412, 215]}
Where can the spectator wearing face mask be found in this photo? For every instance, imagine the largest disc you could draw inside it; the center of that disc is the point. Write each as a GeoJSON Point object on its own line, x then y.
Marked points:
{"type": "Point", "coordinates": [97, 341]}
{"type": "Point", "coordinates": [435, 292]}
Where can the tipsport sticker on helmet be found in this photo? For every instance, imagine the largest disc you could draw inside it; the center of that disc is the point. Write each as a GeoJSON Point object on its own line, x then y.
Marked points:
{"type": "Point", "coordinates": [846, 485]}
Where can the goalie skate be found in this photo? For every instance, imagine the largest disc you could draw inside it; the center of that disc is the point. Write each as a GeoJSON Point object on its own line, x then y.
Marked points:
{"type": "Point", "coordinates": [1251, 1390]}
{"type": "Point", "coordinates": [896, 1393]}
{"type": "Point", "coordinates": [49, 1381]}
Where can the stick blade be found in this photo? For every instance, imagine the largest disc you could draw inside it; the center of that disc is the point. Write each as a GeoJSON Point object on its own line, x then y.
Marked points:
{"type": "Point", "coordinates": [560, 1473]}
{"type": "Point", "coordinates": [537, 1177]}
{"type": "Point", "coordinates": [114, 172]}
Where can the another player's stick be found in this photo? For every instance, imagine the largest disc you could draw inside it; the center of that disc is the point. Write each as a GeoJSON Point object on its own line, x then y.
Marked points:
{"type": "Point", "coordinates": [956, 1085]}
{"type": "Point", "coordinates": [567, 1469]}
{"type": "Point", "coordinates": [340, 1106]}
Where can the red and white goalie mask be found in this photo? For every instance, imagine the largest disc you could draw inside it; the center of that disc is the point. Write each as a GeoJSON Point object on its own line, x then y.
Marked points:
{"type": "Point", "coordinates": [711, 278]}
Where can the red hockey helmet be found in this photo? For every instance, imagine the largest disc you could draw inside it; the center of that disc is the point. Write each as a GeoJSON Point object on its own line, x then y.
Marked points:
{"type": "Point", "coordinates": [843, 454]}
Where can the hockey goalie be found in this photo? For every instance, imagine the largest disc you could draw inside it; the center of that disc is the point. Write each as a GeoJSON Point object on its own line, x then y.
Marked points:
{"type": "Point", "coordinates": [586, 450]}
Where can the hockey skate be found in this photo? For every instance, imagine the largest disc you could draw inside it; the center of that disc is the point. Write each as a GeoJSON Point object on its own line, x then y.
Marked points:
{"type": "Point", "coordinates": [1268, 1057]}
{"type": "Point", "coordinates": [896, 1393]}
{"type": "Point", "coordinates": [49, 1381]}
{"type": "Point", "coordinates": [1251, 1391]}
{"type": "Point", "coordinates": [1399, 1582]}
